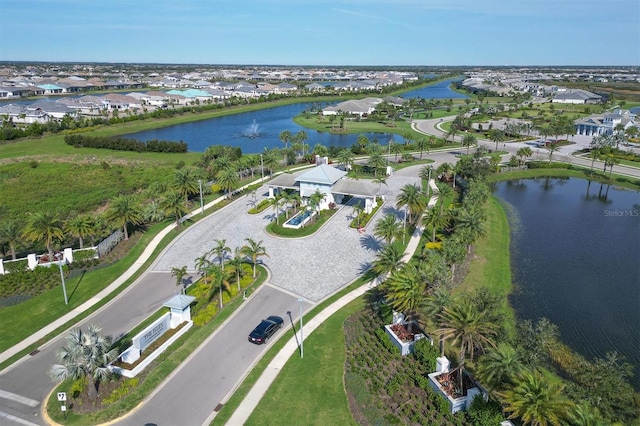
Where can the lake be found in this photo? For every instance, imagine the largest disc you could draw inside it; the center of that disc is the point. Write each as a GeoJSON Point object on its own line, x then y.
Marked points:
{"type": "Point", "coordinates": [233, 129]}
{"type": "Point", "coordinates": [575, 250]}
{"type": "Point", "coordinates": [238, 130]}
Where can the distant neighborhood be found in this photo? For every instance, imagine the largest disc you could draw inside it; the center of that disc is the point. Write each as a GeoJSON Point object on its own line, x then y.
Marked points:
{"type": "Point", "coordinates": [69, 91]}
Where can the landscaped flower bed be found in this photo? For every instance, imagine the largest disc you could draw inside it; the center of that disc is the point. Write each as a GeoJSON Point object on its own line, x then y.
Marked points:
{"type": "Point", "coordinates": [404, 339]}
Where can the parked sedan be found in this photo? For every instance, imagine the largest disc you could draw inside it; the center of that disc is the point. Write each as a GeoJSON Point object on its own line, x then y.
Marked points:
{"type": "Point", "coordinates": [265, 329]}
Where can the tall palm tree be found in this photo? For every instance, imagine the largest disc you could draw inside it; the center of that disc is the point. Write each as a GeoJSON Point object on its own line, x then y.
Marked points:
{"type": "Point", "coordinates": [358, 209]}
{"type": "Point", "coordinates": [45, 227]}
{"type": "Point", "coordinates": [435, 303]}
{"type": "Point", "coordinates": [469, 140]}
{"type": "Point", "coordinates": [85, 356]}
{"type": "Point", "coordinates": [444, 193]}
{"type": "Point", "coordinates": [220, 250]}
{"type": "Point", "coordinates": [236, 263]}
{"type": "Point", "coordinates": [220, 281]}
{"type": "Point", "coordinates": [497, 136]}
{"type": "Point", "coordinates": [435, 220]}
{"type": "Point", "coordinates": [405, 293]}
{"type": "Point", "coordinates": [203, 264]}
{"type": "Point", "coordinates": [80, 227]}
{"type": "Point", "coordinates": [285, 137]}
{"type": "Point", "coordinates": [536, 401]}
{"type": "Point", "coordinates": [524, 153]}
{"type": "Point", "coordinates": [228, 180]}
{"type": "Point", "coordinates": [388, 228]}
{"type": "Point", "coordinates": [345, 158]}
{"type": "Point", "coordinates": [473, 220]}
{"type": "Point", "coordinates": [278, 201]}
{"type": "Point", "coordinates": [254, 250]}
{"type": "Point", "coordinates": [454, 252]}
{"type": "Point", "coordinates": [552, 147]}
{"type": "Point", "coordinates": [376, 162]}
{"type": "Point", "coordinates": [124, 210]}
{"type": "Point", "coordinates": [185, 182]}
{"type": "Point", "coordinates": [173, 205]}
{"type": "Point", "coordinates": [179, 274]}
{"type": "Point", "coordinates": [388, 259]}
{"type": "Point", "coordinates": [416, 202]}
{"type": "Point", "coordinates": [498, 368]}
{"type": "Point", "coordinates": [422, 145]}
{"type": "Point", "coordinates": [11, 235]}
{"type": "Point", "coordinates": [468, 328]}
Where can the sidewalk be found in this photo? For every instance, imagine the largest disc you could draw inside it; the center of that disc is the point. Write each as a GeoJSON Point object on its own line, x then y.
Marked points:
{"type": "Point", "coordinates": [144, 257]}
{"type": "Point", "coordinates": [253, 397]}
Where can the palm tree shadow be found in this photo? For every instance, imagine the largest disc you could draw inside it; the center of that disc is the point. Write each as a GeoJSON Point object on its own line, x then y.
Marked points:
{"type": "Point", "coordinates": [365, 270]}
{"type": "Point", "coordinates": [371, 243]}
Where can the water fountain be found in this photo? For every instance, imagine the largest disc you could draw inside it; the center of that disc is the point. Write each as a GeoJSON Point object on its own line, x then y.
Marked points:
{"type": "Point", "coordinates": [253, 131]}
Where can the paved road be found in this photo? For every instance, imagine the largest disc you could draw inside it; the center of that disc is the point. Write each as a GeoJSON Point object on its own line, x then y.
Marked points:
{"type": "Point", "coordinates": [311, 268]}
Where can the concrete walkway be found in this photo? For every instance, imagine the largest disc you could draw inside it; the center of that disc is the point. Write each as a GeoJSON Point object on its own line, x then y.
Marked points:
{"type": "Point", "coordinates": [250, 402]}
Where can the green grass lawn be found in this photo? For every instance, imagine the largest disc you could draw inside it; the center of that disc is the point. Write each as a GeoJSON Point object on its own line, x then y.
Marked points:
{"type": "Point", "coordinates": [310, 390]}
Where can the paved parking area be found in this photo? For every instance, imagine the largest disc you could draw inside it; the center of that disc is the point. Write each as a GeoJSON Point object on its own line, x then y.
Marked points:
{"type": "Point", "coordinates": [312, 267]}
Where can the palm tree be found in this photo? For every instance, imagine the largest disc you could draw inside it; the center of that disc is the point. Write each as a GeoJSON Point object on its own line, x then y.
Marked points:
{"type": "Point", "coordinates": [422, 145]}
{"type": "Point", "coordinates": [11, 235]}
{"type": "Point", "coordinates": [236, 263]}
{"type": "Point", "coordinates": [536, 400]}
{"type": "Point", "coordinates": [435, 303]}
{"type": "Point", "coordinates": [471, 219]}
{"type": "Point", "coordinates": [594, 154]}
{"type": "Point", "coordinates": [388, 228]}
{"type": "Point", "coordinates": [185, 183]}
{"type": "Point", "coordinates": [278, 201]}
{"type": "Point", "coordinates": [203, 264]}
{"type": "Point", "coordinates": [405, 293]}
{"type": "Point", "coordinates": [315, 199]}
{"type": "Point", "coordinates": [85, 356]}
{"type": "Point", "coordinates": [610, 161]}
{"type": "Point", "coordinates": [416, 202]}
{"type": "Point", "coordinates": [396, 148]}
{"type": "Point", "coordinates": [227, 178]}
{"type": "Point", "coordinates": [498, 367]}
{"type": "Point", "coordinates": [454, 252]}
{"type": "Point", "coordinates": [179, 274]}
{"type": "Point", "coordinates": [345, 158]}
{"type": "Point", "coordinates": [497, 136]}
{"type": "Point", "coordinates": [445, 191]}
{"type": "Point", "coordinates": [44, 226]}
{"type": "Point", "coordinates": [123, 211]}
{"type": "Point", "coordinates": [253, 249]}
{"type": "Point", "coordinates": [285, 137]}
{"type": "Point", "coordinates": [468, 140]}
{"type": "Point", "coordinates": [467, 327]}
{"type": "Point", "coordinates": [523, 153]}
{"type": "Point", "coordinates": [376, 161]}
{"type": "Point", "coordinates": [270, 159]}
{"type": "Point", "coordinates": [219, 250]}
{"type": "Point", "coordinates": [388, 259]}
{"type": "Point", "coordinates": [173, 206]}
{"type": "Point", "coordinates": [552, 147]}
{"type": "Point", "coordinates": [220, 280]}
{"type": "Point", "coordinates": [436, 220]}
{"type": "Point", "coordinates": [358, 209]}
{"type": "Point", "coordinates": [80, 227]}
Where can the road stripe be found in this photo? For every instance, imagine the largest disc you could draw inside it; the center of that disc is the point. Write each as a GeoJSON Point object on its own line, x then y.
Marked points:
{"type": "Point", "coordinates": [9, 417]}
{"type": "Point", "coordinates": [18, 398]}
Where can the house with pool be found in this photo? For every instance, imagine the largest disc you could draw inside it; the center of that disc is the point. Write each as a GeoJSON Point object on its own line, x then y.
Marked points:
{"type": "Point", "coordinates": [329, 181]}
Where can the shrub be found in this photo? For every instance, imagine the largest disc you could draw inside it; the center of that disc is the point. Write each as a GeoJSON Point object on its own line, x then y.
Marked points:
{"type": "Point", "coordinates": [206, 314]}
{"type": "Point", "coordinates": [79, 386]}
{"type": "Point", "coordinates": [121, 391]}
{"type": "Point", "coordinates": [426, 354]}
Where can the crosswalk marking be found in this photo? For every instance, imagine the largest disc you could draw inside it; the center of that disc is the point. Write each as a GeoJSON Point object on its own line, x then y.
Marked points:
{"type": "Point", "coordinates": [19, 398]}
{"type": "Point", "coordinates": [9, 417]}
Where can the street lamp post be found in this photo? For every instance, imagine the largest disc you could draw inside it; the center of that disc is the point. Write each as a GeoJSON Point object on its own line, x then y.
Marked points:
{"type": "Point", "coordinates": [404, 224]}
{"type": "Point", "coordinates": [201, 202]}
{"type": "Point", "coordinates": [301, 331]}
{"type": "Point", "coordinates": [64, 285]}
{"type": "Point", "coordinates": [261, 168]}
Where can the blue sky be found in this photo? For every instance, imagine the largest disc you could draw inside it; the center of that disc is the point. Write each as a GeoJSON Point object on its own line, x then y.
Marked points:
{"type": "Point", "coordinates": [323, 32]}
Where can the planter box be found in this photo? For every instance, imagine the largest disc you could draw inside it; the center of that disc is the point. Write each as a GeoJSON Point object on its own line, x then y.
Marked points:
{"type": "Point", "coordinates": [463, 402]}
{"type": "Point", "coordinates": [406, 346]}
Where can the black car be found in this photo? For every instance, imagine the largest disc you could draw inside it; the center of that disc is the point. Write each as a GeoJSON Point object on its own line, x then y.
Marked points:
{"type": "Point", "coordinates": [265, 329]}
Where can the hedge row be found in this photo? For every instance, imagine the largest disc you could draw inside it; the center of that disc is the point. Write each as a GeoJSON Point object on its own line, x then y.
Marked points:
{"type": "Point", "coordinates": [124, 144]}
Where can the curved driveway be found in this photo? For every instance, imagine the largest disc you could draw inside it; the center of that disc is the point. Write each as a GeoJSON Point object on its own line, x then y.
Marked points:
{"type": "Point", "coordinates": [312, 267]}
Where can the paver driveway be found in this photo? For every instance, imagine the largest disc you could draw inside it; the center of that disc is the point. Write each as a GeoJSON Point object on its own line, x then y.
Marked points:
{"type": "Point", "coordinates": [312, 267]}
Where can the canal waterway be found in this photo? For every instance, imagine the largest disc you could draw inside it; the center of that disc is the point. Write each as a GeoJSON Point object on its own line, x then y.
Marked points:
{"type": "Point", "coordinates": [575, 260]}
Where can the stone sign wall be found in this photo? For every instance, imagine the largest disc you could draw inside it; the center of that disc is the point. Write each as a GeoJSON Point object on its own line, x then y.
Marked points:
{"type": "Point", "coordinates": [150, 334]}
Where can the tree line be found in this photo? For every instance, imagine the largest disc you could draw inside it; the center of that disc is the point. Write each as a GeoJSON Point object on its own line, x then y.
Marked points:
{"type": "Point", "coordinates": [124, 144]}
